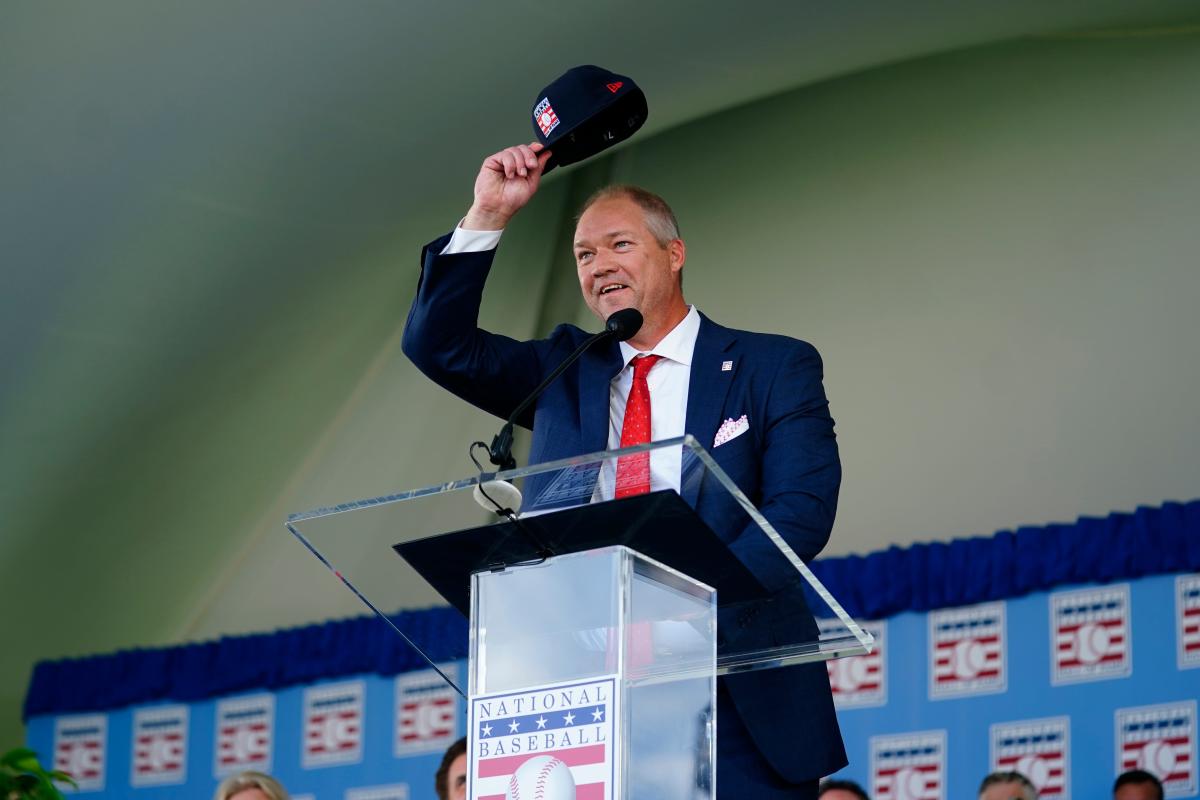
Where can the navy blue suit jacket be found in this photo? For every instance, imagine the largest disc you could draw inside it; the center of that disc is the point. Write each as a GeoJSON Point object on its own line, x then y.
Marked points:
{"type": "Point", "coordinates": [786, 463]}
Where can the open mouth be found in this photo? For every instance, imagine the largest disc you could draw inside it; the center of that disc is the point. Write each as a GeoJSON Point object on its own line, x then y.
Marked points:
{"type": "Point", "coordinates": [612, 287]}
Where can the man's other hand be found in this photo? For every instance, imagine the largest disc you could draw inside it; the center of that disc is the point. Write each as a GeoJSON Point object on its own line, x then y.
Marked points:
{"type": "Point", "coordinates": [506, 182]}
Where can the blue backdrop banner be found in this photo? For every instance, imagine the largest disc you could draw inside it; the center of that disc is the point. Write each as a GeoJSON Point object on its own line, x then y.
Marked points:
{"type": "Point", "coordinates": [1015, 651]}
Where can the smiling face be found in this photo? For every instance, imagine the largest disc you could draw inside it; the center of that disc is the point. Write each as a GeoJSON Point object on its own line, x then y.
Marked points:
{"type": "Point", "coordinates": [622, 265]}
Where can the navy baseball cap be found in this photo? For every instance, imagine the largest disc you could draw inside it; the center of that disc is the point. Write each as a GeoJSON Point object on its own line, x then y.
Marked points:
{"type": "Point", "coordinates": [585, 110]}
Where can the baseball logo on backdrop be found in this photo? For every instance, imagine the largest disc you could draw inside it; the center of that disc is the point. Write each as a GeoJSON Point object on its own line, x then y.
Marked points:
{"type": "Point", "coordinates": [547, 743]}
{"type": "Point", "coordinates": [1187, 618]}
{"type": "Point", "coordinates": [80, 748]}
{"type": "Point", "coordinates": [1160, 739]}
{"type": "Point", "coordinates": [1090, 635]}
{"type": "Point", "coordinates": [426, 718]}
{"type": "Point", "coordinates": [967, 651]}
{"type": "Point", "coordinates": [909, 766]}
{"type": "Point", "coordinates": [858, 681]}
{"type": "Point", "coordinates": [245, 731]}
{"type": "Point", "coordinates": [1039, 749]}
{"type": "Point", "coordinates": [160, 741]}
{"type": "Point", "coordinates": [333, 724]}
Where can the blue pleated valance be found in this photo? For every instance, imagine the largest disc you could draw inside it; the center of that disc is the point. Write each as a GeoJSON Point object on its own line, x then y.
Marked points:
{"type": "Point", "coordinates": [920, 577]}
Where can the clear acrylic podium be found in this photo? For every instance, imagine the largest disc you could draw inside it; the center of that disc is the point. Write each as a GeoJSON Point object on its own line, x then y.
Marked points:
{"type": "Point", "coordinates": [588, 609]}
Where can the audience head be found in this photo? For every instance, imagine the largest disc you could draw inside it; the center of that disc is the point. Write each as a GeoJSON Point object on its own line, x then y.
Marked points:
{"type": "Point", "coordinates": [833, 789]}
{"type": "Point", "coordinates": [1007, 786]}
{"type": "Point", "coordinates": [250, 786]}
{"type": "Point", "coordinates": [1137, 784]}
{"type": "Point", "coordinates": [450, 781]}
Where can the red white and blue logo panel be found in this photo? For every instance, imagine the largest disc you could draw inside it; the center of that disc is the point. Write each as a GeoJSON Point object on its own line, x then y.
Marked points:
{"type": "Point", "coordinates": [545, 741]}
{"type": "Point", "coordinates": [1039, 749]}
{"type": "Point", "coordinates": [1187, 616]}
{"type": "Point", "coordinates": [245, 734]}
{"type": "Point", "coordinates": [80, 748]}
{"type": "Point", "coordinates": [859, 681]}
{"type": "Point", "coordinates": [160, 744]}
{"type": "Point", "coordinates": [333, 724]}
{"type": "Point", "coordinates": [1160, 739]}
{"type": "Point", "coordinates": [544, 114]}
{"type": "Point", "coordinates": [1090, 635]}
{"type": "Point", "coordinates": [909, 766]}
{"type": "Point", "coordinates": [967, 651]}
{"type": "Point", "coordinates": [426, 712]}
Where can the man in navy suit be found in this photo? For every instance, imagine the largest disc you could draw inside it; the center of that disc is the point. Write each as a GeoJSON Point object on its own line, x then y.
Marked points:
{"type": "Point", "coordinates": [681, 372]}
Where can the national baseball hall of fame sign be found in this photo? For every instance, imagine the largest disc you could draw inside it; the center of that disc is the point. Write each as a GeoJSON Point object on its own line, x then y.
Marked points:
{"type": "Point", "coordinates": [552, 743]}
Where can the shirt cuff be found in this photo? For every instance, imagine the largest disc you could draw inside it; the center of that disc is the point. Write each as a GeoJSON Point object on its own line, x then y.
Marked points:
{"type": "Point", "coordinates": [466, 241]}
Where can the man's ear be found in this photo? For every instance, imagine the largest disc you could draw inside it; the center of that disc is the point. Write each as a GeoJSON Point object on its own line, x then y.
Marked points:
{"type": "Point", "coordinates": [677, 252]}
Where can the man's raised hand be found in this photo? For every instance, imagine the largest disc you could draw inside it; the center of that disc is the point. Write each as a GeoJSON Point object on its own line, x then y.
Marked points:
{"type": "Point", "coordinates": [506, 182]}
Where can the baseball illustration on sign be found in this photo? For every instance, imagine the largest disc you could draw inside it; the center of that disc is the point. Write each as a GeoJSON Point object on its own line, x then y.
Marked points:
{"type": "Point", "coordinates": [80, 745]}
{"type": "Point", "coordinates": [1160, 739]}
{"type": "Point", "coordinates": [426, 718]}
{"type": "Point", "coordinates": [549, 743]}
{"type": "Point", "coordinates": [1039, 749]}
{"type": "Point", "coordinates": [333, 724]}
{"type": "Point", "coordinates": [1089, 632]}
{"type": "Point", "coordinates": [858, 681]}
{"type": "Point", "coordinates": [1187, 620]}
{"type": "Point", "coordinates": [160, 746]}
{"type": "Point", "coordinates": [966, 651]}
{"type": "Point", "coordinates": [909, 766]}
{"type": "Point", "coordinates": [245, 734]}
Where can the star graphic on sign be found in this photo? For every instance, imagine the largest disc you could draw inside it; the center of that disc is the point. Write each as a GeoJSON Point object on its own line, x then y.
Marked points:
{"type": "Point", "coordinates": [597, 715]}
{"type": "Point", "coordinates": [513, 726]}
{"type": "Point", "coordinates": [569, 718]}
{"type": "Point", "coordinates": [541, 721]}
{"type": "Point", "coordinates": [486, 730]}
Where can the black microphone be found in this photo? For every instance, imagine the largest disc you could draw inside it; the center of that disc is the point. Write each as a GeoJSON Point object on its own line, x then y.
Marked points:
{"type": "Point", "coordinates": [621, 325]}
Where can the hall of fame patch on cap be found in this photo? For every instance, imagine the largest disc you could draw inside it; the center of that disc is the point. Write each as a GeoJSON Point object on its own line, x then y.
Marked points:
{"type": "Point", "coordinates": [80, 749]}
{"type": "Point", "coordinates": [909, 766]}
{"type": "Point", "coordinates": [333, 724]}
{"type": "Point", "coordinates": [1039, 749]}
{"type": "Point", "coordinates": [245, 734]}
{"type": "Point", "coordinates": [967, 651]}
{"type": "Point", "coordinates": [426, 711]}
{"type": "Point", "coordinates": [1090, 636]}
{"type": "Point", "coordinates": [551, 742]}
{"type": "Point", "coordinates": [1160, 739]}
{"type": "Point", "coordinates": [858, 681]}
{"type": "Point", "coordinates": [1187, 617]}
{"type": "Point", "coordinates": [160, 744]}
{"type": "Point", "coordinates": [395, 791]}
{"type": "Point", "coordinates": [544, 114]}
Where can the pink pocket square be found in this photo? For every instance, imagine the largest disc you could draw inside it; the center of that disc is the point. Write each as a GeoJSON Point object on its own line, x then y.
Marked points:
{"type": "Point", "coordinates": [731, 429]}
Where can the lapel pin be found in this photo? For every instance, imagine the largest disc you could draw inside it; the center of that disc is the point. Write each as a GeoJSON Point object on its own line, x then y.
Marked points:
{"type": "Point", "coordinates": [726, 366]}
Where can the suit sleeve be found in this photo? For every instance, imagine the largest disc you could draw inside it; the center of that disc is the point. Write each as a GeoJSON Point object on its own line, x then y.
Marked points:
{"type": "Point", "coordinates": [443, 339]}
{"type": "Point", "coordinates": [800, 473]}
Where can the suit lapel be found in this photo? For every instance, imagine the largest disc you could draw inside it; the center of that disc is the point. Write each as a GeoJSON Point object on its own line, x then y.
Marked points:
{"type": "Point", "coordinates": [596, 371]}
{"type": "Point", "coordinates": [708, 387]}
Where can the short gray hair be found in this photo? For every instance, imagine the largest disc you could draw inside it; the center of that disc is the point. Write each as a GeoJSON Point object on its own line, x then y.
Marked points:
{"type": "Point", "coordinates": [1027, 788]}
{"type": "Point", "coordinates": [660, 219]}
{"type": "Point", "coordinates": [251, 780]}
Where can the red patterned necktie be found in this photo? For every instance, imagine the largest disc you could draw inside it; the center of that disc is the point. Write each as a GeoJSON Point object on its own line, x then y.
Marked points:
{"type": "Point", "coordinates": [633, 472]}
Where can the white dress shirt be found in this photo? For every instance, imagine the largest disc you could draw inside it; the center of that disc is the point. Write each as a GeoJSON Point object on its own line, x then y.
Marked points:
{"type": "Point", "coordinates": [668, 381]}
